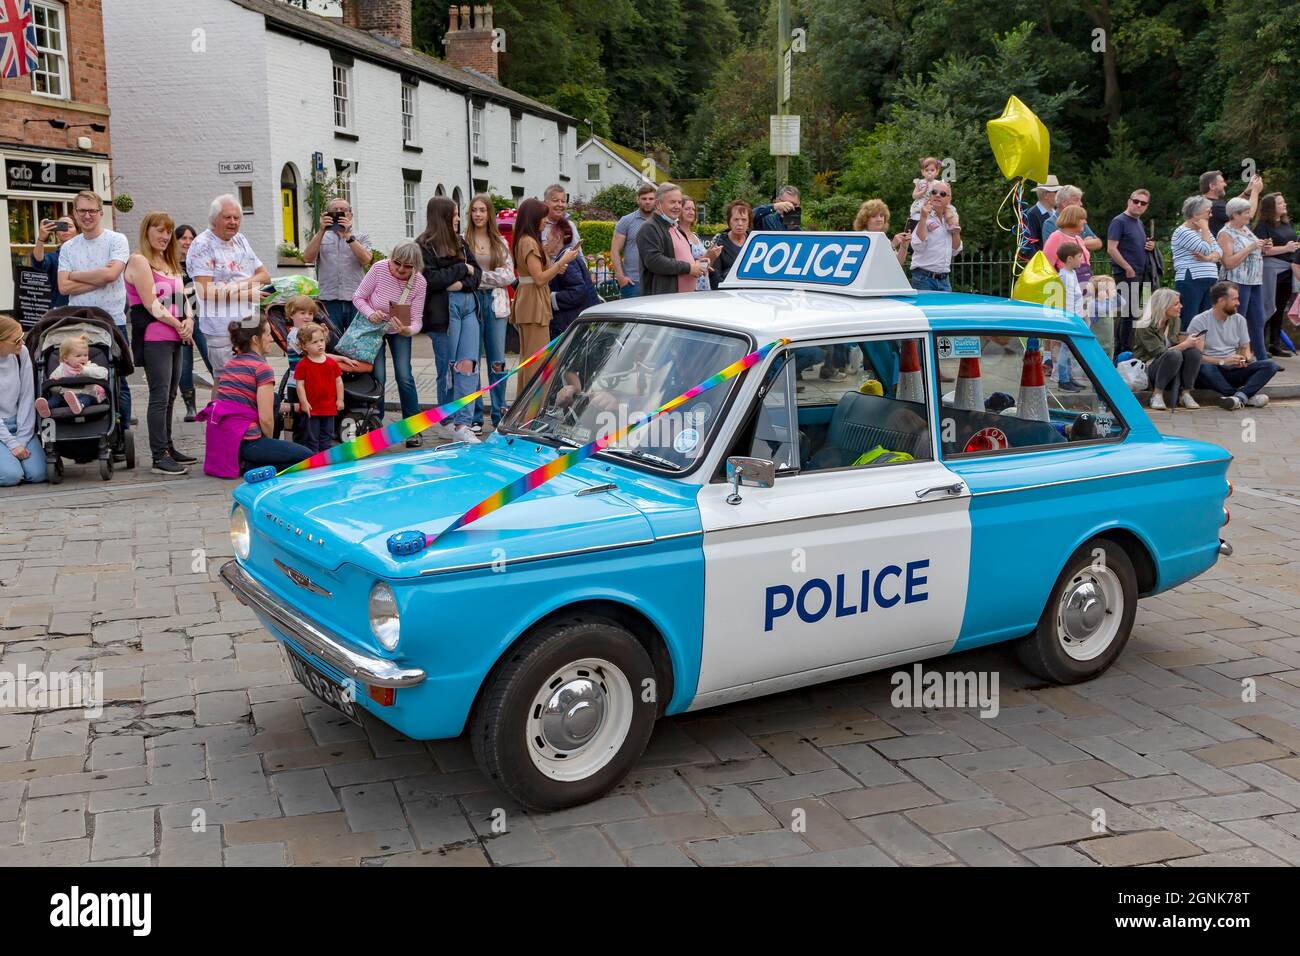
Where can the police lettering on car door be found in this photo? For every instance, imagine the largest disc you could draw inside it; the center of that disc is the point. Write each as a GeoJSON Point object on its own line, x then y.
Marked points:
{"type": "Point", "coordinates": [851, 593]}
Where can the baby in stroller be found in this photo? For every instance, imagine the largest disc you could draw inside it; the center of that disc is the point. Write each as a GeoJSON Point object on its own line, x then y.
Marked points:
{"type": "Point", "coordinates": [74, 362]}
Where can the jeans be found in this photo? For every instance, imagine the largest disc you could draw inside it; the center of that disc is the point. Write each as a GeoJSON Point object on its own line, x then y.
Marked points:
{"type": "Point", "coordinates": [31, 468]}
{"type": "Point", "coordinates": [187, 360]}
{"type": "Point", "coordinates": [1175, 369]}
{"type": "Point", "coordinates": [1248, 379]}
{"type": "Point", "coordinates": [1195, 294]}
{"type": "Point", "coordinates": [1252, 307]}
{"type": "Point", "coordinates": [123, 386]}
{"type": "Point", "coordinates": [630, 291]}
{"type": "Point", "coordinates": [400, 346]}
{"type": "Point", "coordinates": [463, 342]}
{"type": "Point", "coordinates": [270, 451]}
{"type": "Point", "coordinates": [340, 312]}
{"type": "Point", "coordinates": [162, 369]}
{"type": "Point", "coordinates": [441, 360]}
{"type": "Point", "coordinates": [925, 279]}
{"type": "Point", "coordinates": [494, 347]}
{"type": "Point", "coordinates": [318, 432]}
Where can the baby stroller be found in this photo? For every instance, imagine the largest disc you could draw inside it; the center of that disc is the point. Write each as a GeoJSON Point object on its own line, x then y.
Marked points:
{"type": "Point", "coordinates": [363, 395]}
{"type": "Point", "coordinates": [98, 431]}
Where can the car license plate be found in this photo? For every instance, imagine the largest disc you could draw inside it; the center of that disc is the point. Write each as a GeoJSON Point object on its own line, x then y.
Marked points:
{"type": "Point", "coordinates": [329, 691]}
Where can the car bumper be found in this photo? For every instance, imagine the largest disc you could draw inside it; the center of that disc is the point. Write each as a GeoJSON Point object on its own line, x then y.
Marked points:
{"type": "Point", "coordinates": [1225, 549]}
{"type": "Point", "coordinates": [363, 667]}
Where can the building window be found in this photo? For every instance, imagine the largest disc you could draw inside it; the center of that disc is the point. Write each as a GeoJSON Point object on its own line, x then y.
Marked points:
{"type": "Point", "coordinates": [342, 97]}
{"type": "Point", "coordinates": [476, 132]}
{"type": "Point", "coordinates": [410, 205]}
{"type": "Point", "coordinates": [514, 141]}
{"type": "Point", "coordinates": [345, 170]}
{"type": "Point", "coordinates": [408, 114]}
{"type": "Point", "coordinates": [564, 157]}
{"type": "Point", "coordinates": [593, 172]}
{"type": "Point", "coordinates": [50, 78]}
{"type": "Point", "coordinates": [245, 191]}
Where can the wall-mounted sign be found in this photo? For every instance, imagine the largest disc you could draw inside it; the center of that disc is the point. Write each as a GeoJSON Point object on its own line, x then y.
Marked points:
{"type": "Point", "coordinates": [783, 135]}
{"type": "Point", "coordinates": [236, 166]}
{"type": "Point", "coordinates": [33, 296]}
{"type": "Point", "coordinates": [47, 176]}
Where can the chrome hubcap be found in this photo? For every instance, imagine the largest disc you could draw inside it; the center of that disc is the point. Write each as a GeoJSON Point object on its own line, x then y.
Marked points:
{"type": "Point", "coordinates": [573, 714]}
{"type": "Point", "coordinates": [1088, 616]}
{"type": "Point", "coordinates": [1085, 609]}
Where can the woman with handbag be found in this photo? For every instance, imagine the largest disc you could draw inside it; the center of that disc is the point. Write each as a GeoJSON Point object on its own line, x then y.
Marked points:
{"type": "Point", "coordinates": [532, 307]}
{"type": "Point", "coordinates": [390, 297]}
{"type": "Point", "coordinates": [451, 309]}
{"type": "Point", "coordinates": [493, 258]}
{"type": "Point", "coordinates": [1171, 365]}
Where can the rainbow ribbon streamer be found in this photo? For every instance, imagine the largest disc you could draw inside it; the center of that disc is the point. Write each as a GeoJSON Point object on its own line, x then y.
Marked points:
{"type": "Point", "coordinates": [544, 473]}
{"type": "Point", "coordinates": [363, 446]}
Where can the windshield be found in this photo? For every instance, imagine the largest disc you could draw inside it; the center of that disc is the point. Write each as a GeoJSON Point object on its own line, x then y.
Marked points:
{"type": "Point", "coordinates": [605, 375]}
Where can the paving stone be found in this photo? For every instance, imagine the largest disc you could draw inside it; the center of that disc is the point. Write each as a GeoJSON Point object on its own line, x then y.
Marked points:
{"type": "Point", "coordinates": [980, 848]}
{"type": "Point", "coordinates": [186, 847]}
{"type": "Point", "coordinates": [738, 809]}
{"type": "Point", "coordinates": [56, 818]}
{"type": "Point", "coordinates": [1210, 837]}
{"type": "Point", "coordinates": [1270, 780]}
{"type": "Point", "coordinates": [964, 815]}
{"type": "Point", "coordinates": [123, 833]}
{"type": "Point", "coordinates": [1238, 806]}
{"type": "Point", "coordinates": [659, 856]}
{"type": "Point", "coordinates": [1042, 831]}
{"type": "Point", "coordinates": [887, 799]}
{"type": "Point", "coordinates": [1135, 849]}
{"type": "Point", "coordinates": [675, 828]}
{"type": "Point", "coordinates": [1208, 778]}
{"type": "Point", "coordinates": [1150, 789]}
{"type": "Point", "coordinates": [604, 810]}
{"type": "Point", "coordinates": [304, 792]}
{"type": "Point", "coordinates": [902, 841]}
{"type": "Point", "coordinates": [86, 782]}
{"type": "Point", "coordinates": [1058, 856]}
{"type": "Point", "coordinates": [794, 753]}
{"type": "Point", "coordinates": [583, 848]}
{"type": "Point", "coordinates": [866, 765]}
{"type": "Point", "coordinates": [372, 806]}
{"type": "Point", "coordinates": [850, 856]}
{"type": "Point", "coordinates": [747, 848]}
{"type": "Point", "coordinates": [801, 785]}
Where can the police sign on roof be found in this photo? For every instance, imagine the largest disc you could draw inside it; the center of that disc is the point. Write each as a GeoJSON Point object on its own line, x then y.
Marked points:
{"type": "Point", "coordinates": [852, 263]}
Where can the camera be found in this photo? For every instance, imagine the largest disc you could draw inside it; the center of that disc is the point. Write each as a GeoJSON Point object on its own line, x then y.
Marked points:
{"type": "Point", "coordinates": [793, 219]}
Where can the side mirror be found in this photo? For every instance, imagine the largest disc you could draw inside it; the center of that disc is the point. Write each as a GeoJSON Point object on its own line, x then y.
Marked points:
{"type": "Point", "coordinates": [753, 472]}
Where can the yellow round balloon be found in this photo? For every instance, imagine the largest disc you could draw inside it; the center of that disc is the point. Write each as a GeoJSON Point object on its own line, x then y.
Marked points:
{"type": "Point", "coordinates": [1020, 142]}
{"type": "Point", "coordinates": [1039, 283]}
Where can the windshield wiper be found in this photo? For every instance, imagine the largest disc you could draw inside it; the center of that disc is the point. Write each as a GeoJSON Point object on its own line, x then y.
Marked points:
{"type": "Point", "coordinates": [640, 455]}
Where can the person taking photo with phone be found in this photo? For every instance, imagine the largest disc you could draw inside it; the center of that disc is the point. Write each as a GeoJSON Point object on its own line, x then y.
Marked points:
{"type": "Point", "coordinates": [53, 230]}
{"type": "Point", "coordinates": [341, 257]}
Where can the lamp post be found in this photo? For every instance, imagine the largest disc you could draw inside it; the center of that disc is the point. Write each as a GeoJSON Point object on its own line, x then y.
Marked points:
{"type": "Point", "coordinates": [782, 92]}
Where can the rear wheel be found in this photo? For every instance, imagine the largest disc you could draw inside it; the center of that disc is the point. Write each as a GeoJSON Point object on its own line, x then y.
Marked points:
{"type": "Point", "coordinates": [128, 439]}
{"type": "Point", "coordinates": [53, 468]}
{"type": "Point", "coordinates": [1088, 617]}
{"type": "Point", "coordinates": [565, 716]}
{"type": "Point", "coordinates": [106, 468]}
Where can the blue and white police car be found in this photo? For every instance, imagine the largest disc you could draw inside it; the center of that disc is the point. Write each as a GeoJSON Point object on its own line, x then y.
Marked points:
{"type": "Point", "coordinates": [896, 482]}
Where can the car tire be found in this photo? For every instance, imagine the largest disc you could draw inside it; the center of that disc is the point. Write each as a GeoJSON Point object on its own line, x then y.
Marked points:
{"type": "Point", "coordinates": [563, 717]}
{"type": "Point", "coordinates": [1088, 617]}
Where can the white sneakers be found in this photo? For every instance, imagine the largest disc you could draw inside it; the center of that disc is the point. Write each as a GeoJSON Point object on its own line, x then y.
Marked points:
{"type": "Point", "coordinates": [462, 433]}
{"type": "Point", "coordinates": [1258, 400]}
{"type": "Point", "coordinates": [1157, 403]}
{"type": "Point", "coordinates": [1187, 401]}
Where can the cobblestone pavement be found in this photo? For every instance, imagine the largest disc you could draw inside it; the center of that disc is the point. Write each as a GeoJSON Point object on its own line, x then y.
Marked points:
{"type": "Point", "coordinates": [204, 716]}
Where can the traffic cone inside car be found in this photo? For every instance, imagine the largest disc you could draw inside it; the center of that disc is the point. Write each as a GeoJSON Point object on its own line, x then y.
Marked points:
{"type": "Point", "coordinates": [970, 388]}
{"type": "Point", "coordinates": [1032, 404]}
{"type": "Point", "coordinates": [910, 388]}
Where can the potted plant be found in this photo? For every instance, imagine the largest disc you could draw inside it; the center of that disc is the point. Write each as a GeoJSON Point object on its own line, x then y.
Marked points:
{"type": "Point", "coordinates": [289, 255]}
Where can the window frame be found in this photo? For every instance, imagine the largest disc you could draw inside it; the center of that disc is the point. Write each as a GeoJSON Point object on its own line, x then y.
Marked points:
{"type": "Point", "coordinates": [342, 80]}
{"type": "Point", "coordinates": [590, 167]}
{"type": "Point", "coordinates": [410, 114]}
{"type": "Point", "coordinates": [750, 419]}
{"type": "Point", "coordinates": [411, 191]}
{"type": "Point", "coordinates": [516, 125]}
{"type": "Point", "coordinates": [240, 187]}
{"type": "Point", "coordinates": [1069, 339]}
{"type": "Point", "coordinates": [476, 116]}
{"type": "Point", "coordinates": [62, 74]}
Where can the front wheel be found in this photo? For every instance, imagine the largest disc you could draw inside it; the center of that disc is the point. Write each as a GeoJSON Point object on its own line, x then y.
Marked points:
{"type": "Point", "coordinates": [1088, 616]}
{"type": "Point", "coordinates": [567, 714]}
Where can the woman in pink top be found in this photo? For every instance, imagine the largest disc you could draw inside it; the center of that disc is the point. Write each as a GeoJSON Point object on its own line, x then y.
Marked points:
{"type": "Point", "coordinates": [1070, 223]}
{"type": "Point", "coordinates": [160, 322]}
{"type": "Point", "coordinates": [396, 280]}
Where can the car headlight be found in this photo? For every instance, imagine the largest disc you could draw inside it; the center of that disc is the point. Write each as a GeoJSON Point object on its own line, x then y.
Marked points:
{"type": "Point", "coordinates": [240, 538]}
{"type": "Point", "coordinates": [385, 622]}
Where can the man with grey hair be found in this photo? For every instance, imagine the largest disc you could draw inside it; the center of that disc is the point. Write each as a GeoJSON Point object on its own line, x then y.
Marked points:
{"type": "Point", "coordinates": [783, 213]}
{"type": "Point", "coordinates": [341, 257]}
{"type": "Point", "coordinates": [229, 278]}
{"type": "Point", "coordinates": [667, 264]}
{"type": "Point", "coordinates": [1067, 197]}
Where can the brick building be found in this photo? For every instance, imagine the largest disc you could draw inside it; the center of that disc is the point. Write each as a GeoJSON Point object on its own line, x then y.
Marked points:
{"type": "Point", "coordinates": [54, 131]}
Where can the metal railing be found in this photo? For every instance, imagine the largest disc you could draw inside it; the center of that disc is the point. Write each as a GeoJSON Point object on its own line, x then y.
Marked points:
{"type": "Point", "coordinates": [994, 274]}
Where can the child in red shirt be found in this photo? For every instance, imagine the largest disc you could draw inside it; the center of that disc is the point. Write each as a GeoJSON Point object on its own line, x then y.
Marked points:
{"type": "Point", "coordinates": [320, 388]}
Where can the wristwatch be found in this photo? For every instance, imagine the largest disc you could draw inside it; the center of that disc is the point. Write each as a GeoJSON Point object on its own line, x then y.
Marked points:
{"type": "Point", "coordinates": [350, 240]}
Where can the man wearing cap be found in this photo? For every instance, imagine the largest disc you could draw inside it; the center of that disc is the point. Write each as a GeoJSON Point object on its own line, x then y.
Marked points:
{"type": "Point", "coordinates": [1039, 212]}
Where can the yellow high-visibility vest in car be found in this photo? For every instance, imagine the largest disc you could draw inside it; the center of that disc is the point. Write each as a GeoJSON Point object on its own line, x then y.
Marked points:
{"type": "Point", "coordinates": [880, 455]}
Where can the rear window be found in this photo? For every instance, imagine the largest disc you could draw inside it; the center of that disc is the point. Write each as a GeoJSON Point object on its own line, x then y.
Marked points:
{"type": "Point", "coordinates": [1003, 394]}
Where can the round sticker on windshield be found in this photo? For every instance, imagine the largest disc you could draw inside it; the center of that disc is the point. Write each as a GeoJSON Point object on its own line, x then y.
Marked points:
{"type": "Point", "coordinates": [686, 441]}
{"type": "Point", "coordinates": [701, 413]}
{"type": "Point", "coordinates": [988, 439]}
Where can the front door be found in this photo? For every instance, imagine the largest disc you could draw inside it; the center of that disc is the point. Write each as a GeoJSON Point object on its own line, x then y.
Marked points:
{"type": "Point", "coordinates": [858, 557]}
{"type": "Point", "coordinates": [288, 222]}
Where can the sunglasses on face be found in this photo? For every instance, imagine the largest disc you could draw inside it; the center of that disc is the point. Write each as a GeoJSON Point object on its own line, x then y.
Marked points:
{"type": "Point", "coordinates": [1140, 202]}
{"type": "Point", "coordinates": [940, 194]}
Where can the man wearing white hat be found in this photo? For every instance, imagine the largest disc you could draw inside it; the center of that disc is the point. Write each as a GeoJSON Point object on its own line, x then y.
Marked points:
{"type": "Point", "coordinates": [1039, 212]}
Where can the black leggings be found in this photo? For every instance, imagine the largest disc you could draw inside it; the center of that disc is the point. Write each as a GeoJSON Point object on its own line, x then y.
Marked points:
{"type": "Point", "coordinates": [1274, 323]}
{"type": "Point", "coordinates": [162, 370]}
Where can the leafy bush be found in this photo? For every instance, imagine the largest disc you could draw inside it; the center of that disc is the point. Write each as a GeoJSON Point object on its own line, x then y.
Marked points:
{"type": "Point", "coordinates": [501, 202]}
{"type": "Point", "coordinates": [584, 209]}
{"type": "Point", "coordinates": [833, 214]}
{"type": "Point", "coordinates": [597, 235]}
{"type": "Point", "coordinates": [618, 199]}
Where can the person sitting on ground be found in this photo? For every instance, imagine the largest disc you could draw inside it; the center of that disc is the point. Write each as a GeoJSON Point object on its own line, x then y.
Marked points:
{"type": "Point", "coordinates": [22, 457]}
{"type": "Point", "coordinates": [1172, 366]}
{"type": "Point", "coordinates": [74, 362]}
{"type": "Point", "coordinates": [1229, 367]}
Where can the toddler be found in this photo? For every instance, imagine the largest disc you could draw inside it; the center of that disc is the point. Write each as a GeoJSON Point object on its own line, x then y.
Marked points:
{"type": "Point", "coordinates": [74, 362]}
{"type": "Point", "coordinates": [300, 310]}
{"type": "Point", "coordinates": [320, 388]}
{"type": "Point", "coordinates": [1103, 307]}
{"type": "Point", "coordinates": [921, 190]}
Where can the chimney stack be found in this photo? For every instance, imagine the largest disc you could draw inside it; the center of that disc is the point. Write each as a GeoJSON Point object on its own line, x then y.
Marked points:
{"type": "Point", "coordinates": [470, 39]}
{"type": "Point", "coordinates": [384, 19]}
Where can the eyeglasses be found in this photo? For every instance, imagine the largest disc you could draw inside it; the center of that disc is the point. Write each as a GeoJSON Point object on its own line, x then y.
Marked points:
{"type": "Point", "coordinates": [1139, 202]}
{"type": "Point", "coordinates": [88, 212]}
{"type": "Point", "coordinates": [940, 194]}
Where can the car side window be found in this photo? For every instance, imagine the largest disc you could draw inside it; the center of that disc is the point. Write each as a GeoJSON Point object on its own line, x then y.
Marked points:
{"type": "Point", "coordinates": [1003, 394]}
{"type": "Point", "coordinates": [861, 404]}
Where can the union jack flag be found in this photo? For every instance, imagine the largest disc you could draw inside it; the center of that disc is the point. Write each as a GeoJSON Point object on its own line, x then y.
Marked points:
{"type": "Point", "coordinates": [17, 38]}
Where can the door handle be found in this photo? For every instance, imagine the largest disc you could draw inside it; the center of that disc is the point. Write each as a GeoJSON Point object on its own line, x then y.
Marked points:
{"type": "Point", "coordinates": [955, 488]}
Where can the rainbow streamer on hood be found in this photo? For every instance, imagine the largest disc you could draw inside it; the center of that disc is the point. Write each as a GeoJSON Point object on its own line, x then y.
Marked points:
{"type": "Point", "coordinates": [544, 473]}
{"type": "Point", "coordinates": [363, 446]}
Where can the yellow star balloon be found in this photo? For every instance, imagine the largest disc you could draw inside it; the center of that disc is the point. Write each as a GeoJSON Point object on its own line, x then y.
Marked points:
{"type": "Point", "coordinates": [1020, 142]}
{"type": "Point", "coordinates": [1039, 283]}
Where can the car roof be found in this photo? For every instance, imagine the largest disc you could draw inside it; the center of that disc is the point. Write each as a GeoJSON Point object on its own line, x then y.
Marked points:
{"type": "Point", "coordinates": [765, 314]}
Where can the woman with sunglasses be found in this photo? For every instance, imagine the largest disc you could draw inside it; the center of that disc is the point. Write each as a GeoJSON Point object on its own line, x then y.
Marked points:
{"type": "Point", "coordinates": [53, 230]}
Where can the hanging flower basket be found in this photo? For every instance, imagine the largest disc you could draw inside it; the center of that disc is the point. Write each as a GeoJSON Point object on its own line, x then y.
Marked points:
{"type": "Point", "coordinates": [123, 202]}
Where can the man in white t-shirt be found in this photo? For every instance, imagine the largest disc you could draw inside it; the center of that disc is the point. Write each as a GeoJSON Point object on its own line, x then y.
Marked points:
{"type": "Point", "coordinates": [90, 271]}
{"type": "Point", "coordinates": [229, 278]}
{"type": "Point", "coordinates": [1227, 365]}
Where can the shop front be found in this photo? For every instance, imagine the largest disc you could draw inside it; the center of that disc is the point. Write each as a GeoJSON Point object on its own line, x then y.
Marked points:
{"type": "Point", "coordinates": [38, 186]}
